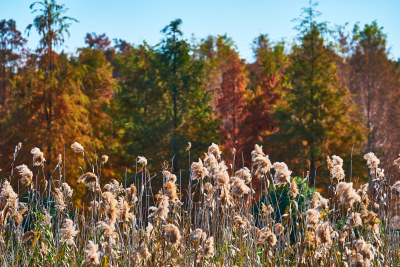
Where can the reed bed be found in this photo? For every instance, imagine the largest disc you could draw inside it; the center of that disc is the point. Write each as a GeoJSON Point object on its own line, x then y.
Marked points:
{"type": "Point", "coordinates": [213, 221]}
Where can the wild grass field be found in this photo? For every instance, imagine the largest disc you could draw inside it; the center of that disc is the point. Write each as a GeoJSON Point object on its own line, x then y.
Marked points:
{"type": "Point", "coordinates": [215, 221]}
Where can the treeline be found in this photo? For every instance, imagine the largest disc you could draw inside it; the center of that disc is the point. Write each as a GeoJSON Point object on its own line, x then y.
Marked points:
{"type": "Point", "coordinates": [333, 92]}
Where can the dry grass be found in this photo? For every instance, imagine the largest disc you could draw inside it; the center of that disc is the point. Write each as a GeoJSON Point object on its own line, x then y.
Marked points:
{"type": "Point", "coordinates": [209, 223]}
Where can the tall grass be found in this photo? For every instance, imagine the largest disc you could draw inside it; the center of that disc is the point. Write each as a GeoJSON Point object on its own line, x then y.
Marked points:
{"type": "Point", "coordinates": [212, 222]}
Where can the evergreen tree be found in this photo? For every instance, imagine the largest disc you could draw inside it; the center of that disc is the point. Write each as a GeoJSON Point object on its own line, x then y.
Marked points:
{"type": "Point", "coordinates": [182, 78]}
{"type": "Point", "coordinates": [162, 103]}
{"type": "Point", "coordinates": [317, 117]}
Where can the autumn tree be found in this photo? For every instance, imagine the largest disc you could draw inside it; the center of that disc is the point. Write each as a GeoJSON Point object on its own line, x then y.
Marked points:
{"type": "Point", "coordinates": [95, 41]}
{"type": "Point", "coordinates": [374, 82]}
{"type": "Point", "coordinates": [227, 81]}
{"type": "Point", "coordinates": [317, 117]}
{"type": "Point", "coordinates": [51, 24]}
{"type": "Point", "coordinates": [267, 80]}
{"type": "Point", "coordinates": [11, 42]}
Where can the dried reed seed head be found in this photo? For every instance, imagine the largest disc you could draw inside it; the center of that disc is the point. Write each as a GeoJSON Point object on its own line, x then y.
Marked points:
{"type": "Point", "coordinates": [130, 195]}
{"type": "Point", "coordinates": [365, 249]}
{"type": "Point", "coordinates": [110, 205]}
{"type": "Point", "coordinates": [108, 230]}
{"type": "Point", "coordinates": [171, 234]}
{"type": "Point", "coordinates": [337, 172]}
{"type": "Point", "coordinates": [68, 232]}
{"type": "Point", "coordinates": [238, 187]}
{"type": "Point", "coordinates": [38, 157]}
{"type": "Point", "coordinates": [66, 190]}
{"type": "Point", "coordinates": [169, 177]}
{"type": "Point", "coordinates": [324, 231]}
{"type": "Point", "coordinates": [225, 197]}
{"type": "Point", "coordinates": [256, 152]}
{"type": "Point", "coordinates": [143, 253]}
{"type": "Point", "coordinates": [260, 161]}
{"type": "Point", "coordinates": [372, 161]}
{"type": "Point", "coordinates": [7, 194]}
{"type": "Point", "coordinates": [162, 210]}
{"type": "Point", "coordinates": [222, 179]}
{"type": "Point", "coordinates": [278, 229]}
{"type": "Point", "coordinates": [124, 212]}
{"type": "Point", "coordinates": [244, 174]}
{"type": "Point", "coordinates": [337, 161]}
{"type": "Point", "coordinates": [199, 172]}
{"type": "Point", "coordinates": [209, 248]}
{"type": "Point", "coordinates": [312, 218]}
{"type": "Point", "coordinates": [114, 187]}
{"type": "Point", "coordinates": [370, 220]}
{"type": "Point", "coordinates": [208, 187]}
{"type": "Point", "coordinates": [78, 148]}
{"type": "Point", "coordinates": [59, 199]}
{"type": "Point", "coordinates": [282, 173]}
{"type": "Point", "coordinates": [356, 260]}
{"type": "Point", "coordinates": [90, 180]}
{"type": "Point", "coordinates": [17, 216]}
{"type": "Point", "coordinates": [189, 146]}
{"type": "Point", "coordinates": [170, 190]}
{"type": "Point", "coordinates": [142, 161]}
{"type": "Point", "coordinates": [92, 255]}
{"type": "Point", "coordinates": [19, 146]}
{"type": "Point", "coordinates": [211, 163]}
{"type": "Point", "coordinates": [266, 237]}
{"type": "Point", "coordinates": [26, 175]}
{"type": "Point", "coordinates": [355, 219]}
{"type": "Point", "coordinates": [27, 236]}
{"type": "Point", "coordinates": [214, 150]}
{"type": "Point", "coordinates": [294, 190]}
{"type": "Point", "coordinates": [240, 222]}
{"type": "Point", "coordinates": [380, 174]}
{"type": "Point", "coordinates": [346, 194]}
{"type": "Point", "coordinates": [263, 165]}
{"type": "Point", "coordinates": [104, 159]}
{"type": "Point", "coordinates": [198, 235]}
{"type": "Point", "coordinates": [266, 210]}
{"type": "Point", "coordinates": [44, 249]}
{"type": "Point", "coordinates": [362, 191]}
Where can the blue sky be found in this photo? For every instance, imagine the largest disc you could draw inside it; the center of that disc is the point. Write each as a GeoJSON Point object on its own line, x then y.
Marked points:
{"type": "Point", "coordinates": [135, 21]}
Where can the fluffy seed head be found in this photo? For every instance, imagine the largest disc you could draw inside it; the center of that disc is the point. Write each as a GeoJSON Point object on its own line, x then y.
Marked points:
{"type": "Point", "coordinates": [346, 194]}
{"type": "Point", "coordinates": [68, 232]}
{"type": "Point", "coordinates": [78, 148]}
{"type": "Point", "coordinates": [244, 174]}
{"type": "Point", "coordinates": [282, 173]}
{"type": "Point", "coordinates": [92, 255]}
{"type": "Point", "coordinates": [214, 150]}
{"type": "Point", "coordinates": [294, 191]}
{"type": "Point", "coordinates": [372, 161]}
{"type": "Point", "coordinates": [238, 187]}
{"type": "Point", "coordinates": [90, 180]}
{"type": "Point", "coordinates": [198, 170]}
{"type": "Point", "coordinates": [142, 161]}
{"type": "Point", "coordinates": [104, 159]}
{"type": "Point", "coordinates": [171, 234]}
{"type": "Point", "coordinates": [38, 157]}
{"type": "Point", "coordinates": [26, 175]}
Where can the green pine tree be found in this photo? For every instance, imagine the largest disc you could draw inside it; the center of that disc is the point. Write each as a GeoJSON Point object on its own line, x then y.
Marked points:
{"type": "Point", "coordinates": [317, 117]}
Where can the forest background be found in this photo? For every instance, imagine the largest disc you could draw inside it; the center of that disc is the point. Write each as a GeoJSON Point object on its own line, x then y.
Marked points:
{"type": "Point", "coordinates": [334, 90]}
